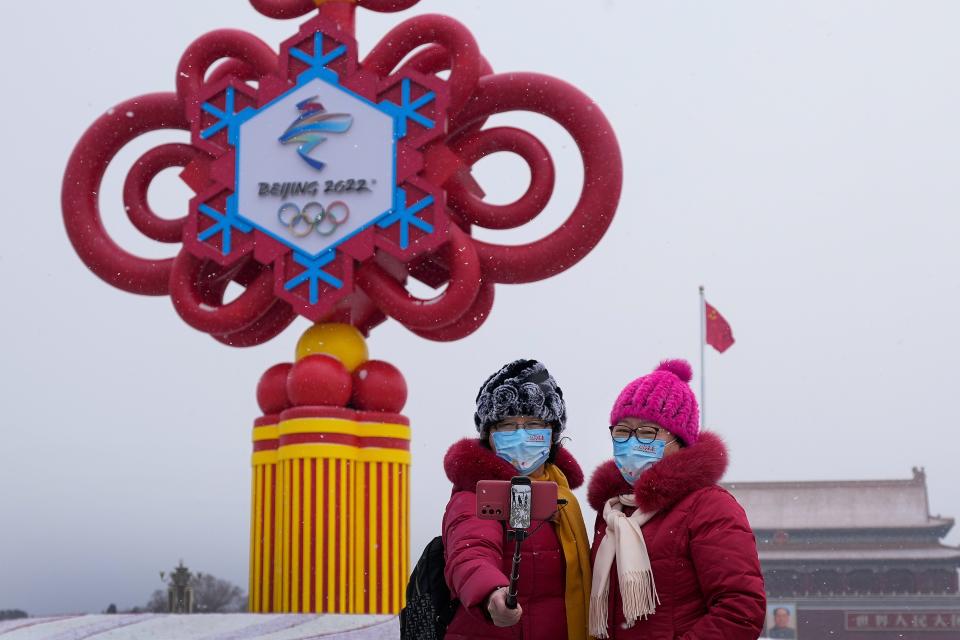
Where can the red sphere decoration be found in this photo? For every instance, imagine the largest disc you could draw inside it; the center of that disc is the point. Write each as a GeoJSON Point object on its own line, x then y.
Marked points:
{"type": "Point", "coordinates": [272, 389]}
{"type": "Point", "coordinates": [378, 386]}
{"type": "Point", "coordinates": [319, 380]}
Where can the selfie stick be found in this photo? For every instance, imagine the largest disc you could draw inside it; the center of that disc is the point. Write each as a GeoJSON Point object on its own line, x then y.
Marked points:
{"type": "Point", "coordinates": [521, 493]}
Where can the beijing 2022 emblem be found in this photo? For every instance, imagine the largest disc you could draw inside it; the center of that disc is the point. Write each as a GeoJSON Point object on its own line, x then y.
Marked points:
{"type": "Point", "coordinates": [319, 167]}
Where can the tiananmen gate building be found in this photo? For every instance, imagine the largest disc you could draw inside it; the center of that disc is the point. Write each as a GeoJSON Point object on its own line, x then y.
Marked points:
{"type": "Point", "coordinates": [854, 560]}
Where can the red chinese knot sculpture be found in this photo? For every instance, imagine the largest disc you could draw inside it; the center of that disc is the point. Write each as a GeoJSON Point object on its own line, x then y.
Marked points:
{"type": "Point", "coordinates": [323, 182]}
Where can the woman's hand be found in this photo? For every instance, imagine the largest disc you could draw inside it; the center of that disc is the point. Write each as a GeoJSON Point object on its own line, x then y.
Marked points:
{"type": "Point", "coordinates": [499, 613]}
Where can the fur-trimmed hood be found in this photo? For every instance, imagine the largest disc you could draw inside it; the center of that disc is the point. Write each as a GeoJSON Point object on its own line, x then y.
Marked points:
{"type": "Point", "coordinates": [467, 462]}
{"type": "Point", "coordinates": [666, 482]}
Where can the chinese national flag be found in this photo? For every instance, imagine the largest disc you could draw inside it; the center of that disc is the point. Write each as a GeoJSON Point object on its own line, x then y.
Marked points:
{"type": "Point", "coordinates": [719, 334]}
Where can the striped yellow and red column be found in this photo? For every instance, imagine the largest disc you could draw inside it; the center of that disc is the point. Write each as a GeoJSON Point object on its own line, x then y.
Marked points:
{"type": "Point", "coordinates": [264, 515]}
{"type": "Point", "coordinates": [333, 453]}
{"type": "Point", "coordinates": [382, 514]}
{"type": "Point", "coordinates": [345, 484]}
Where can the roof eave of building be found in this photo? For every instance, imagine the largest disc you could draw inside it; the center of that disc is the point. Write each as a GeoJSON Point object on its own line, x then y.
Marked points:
{"type": "Point", "coordinates": [939, 526]}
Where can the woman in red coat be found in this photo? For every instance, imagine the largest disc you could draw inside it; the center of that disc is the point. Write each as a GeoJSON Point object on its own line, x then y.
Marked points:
{"type": "Point", "coordinates": [520, 415]}
{"type": "Point", "coordinates": [673, 553]}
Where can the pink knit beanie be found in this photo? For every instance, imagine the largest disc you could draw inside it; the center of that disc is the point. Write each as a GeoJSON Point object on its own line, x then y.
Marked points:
{"type": "Point", "coordinates": [664, 397]}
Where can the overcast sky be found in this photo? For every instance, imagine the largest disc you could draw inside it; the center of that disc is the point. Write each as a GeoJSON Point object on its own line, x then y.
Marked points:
{"type": "Point", "coordinates": [799, 159]}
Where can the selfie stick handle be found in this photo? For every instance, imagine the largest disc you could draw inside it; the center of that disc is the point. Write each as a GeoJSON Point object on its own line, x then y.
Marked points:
{"type": "Point", "coordinates": [518, 535]}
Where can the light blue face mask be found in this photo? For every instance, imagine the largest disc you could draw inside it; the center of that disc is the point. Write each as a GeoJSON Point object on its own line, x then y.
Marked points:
{"type": "Point", "coordinates": [633, 457]}
{"type": "Point", "coordinates": [525, 449]}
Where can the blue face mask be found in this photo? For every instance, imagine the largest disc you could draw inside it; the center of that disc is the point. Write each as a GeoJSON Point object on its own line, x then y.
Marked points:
{"type": "Point", "coordinates": [525, 449]}
{"type": "Point", "coordinates": [633, 457]}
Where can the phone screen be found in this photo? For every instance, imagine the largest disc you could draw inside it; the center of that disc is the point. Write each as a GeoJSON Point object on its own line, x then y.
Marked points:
{"type": "Point", "coordinates": [521, 496]}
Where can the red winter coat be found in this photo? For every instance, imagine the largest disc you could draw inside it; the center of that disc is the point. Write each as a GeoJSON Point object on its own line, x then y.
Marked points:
{"type": "Point", "coordinates": [702, 550]}
{"type": "Point", "coordinates": [479, 555]}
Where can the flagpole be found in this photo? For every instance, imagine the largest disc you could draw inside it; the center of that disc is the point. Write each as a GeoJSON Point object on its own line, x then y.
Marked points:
{"type": "Point", "coordinates": [703, 370]}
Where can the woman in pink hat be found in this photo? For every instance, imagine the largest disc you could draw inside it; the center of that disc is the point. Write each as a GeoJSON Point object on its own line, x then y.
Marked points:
{"type": "Point", "coordinates": [673, 554]}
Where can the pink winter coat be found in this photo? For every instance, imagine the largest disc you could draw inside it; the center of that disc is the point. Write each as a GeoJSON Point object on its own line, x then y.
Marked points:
{"type": "Point", "coordinates": [702, 550]}
{"type": "Point", "coordinates": [478, 553]}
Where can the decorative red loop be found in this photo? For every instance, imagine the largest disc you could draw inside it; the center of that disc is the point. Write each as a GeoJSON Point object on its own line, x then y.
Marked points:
{"type": "Point", "coordinates": [475, 316]}
{"type": "Point", "coordinates": [453, 37]}
{"type": "Point", "coordinates": [188, 298]}
{"type": "Point", "coordinates": [81, 188]}
{"type": "Point", "coordinates": [262, 330]}
{"type": "Point", "coordinates": [387, 6]}
{"type": "Point", "coordinates": [507, 216]}
{"type": "Point", "coordinates": [416, 313]}
{"type": "Point", "coordinates": [432, 59]}
{"type": "Point", "coordinates": [602, 173]}
{"type": "Point", "coordinates": [435, 59]}
{"type": "Point", "coordinates": [216, 45]}
{"type": "Point", "coordinates": [233, 67]}
{"type": "Point", "coordinates": [213, 279]}
{"type": "Point", "coordinates": [137, 185]}
{"type": "Point", "coordinates": [283, 9]}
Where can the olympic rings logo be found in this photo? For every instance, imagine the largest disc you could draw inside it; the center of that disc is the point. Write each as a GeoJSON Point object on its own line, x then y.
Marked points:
{"type": "Point", "coordinates": [313, 217]}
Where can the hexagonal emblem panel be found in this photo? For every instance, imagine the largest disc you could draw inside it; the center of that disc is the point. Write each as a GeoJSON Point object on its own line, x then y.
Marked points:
{"type": "Point", "coordinates": [315, 167]}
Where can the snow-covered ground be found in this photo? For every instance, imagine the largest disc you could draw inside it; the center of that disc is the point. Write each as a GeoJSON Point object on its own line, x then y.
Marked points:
{"type": "Point", "coordinates": [203, 627]}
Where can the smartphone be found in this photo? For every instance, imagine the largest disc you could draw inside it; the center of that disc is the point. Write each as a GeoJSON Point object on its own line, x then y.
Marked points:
{"type": "Point", "coordinates": [493, 500]}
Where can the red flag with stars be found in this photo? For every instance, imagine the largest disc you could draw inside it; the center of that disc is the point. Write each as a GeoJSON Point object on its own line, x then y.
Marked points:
{"type": "Point", "coordinates": [719, 333]}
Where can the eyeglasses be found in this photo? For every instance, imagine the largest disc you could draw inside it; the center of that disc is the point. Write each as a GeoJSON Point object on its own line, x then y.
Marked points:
{"type": "Point", "coordinates": [622, 433]}
{"type": "Point", "coordinates": [510, 427]}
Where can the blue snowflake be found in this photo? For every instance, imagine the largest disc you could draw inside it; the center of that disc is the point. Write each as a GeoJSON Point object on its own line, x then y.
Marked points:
{"type": "Point", "coordinates": [314, 273]}
{"type": "Point", "coordinates": [227, 117]}
{"type": "Point", "coordinates": [407, 110]}
{"type": "Point", "coordinates": [225, 224]}
{"type": "Point", "coordinates": [318, 61]}
{"type": "Point", "coordinates": [407, 216]}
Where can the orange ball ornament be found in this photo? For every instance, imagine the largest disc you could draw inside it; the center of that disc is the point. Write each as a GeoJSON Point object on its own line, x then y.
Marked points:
{"type": "Point", "coordinates": [341, 341]}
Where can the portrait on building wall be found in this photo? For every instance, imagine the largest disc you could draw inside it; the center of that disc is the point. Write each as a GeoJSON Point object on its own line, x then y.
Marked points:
{"type": "Point", "coordinates": [781, 621]}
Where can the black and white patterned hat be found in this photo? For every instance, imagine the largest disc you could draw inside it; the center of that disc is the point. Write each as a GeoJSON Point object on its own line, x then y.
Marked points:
{"type": "Point", "coordinates": [521, 388]}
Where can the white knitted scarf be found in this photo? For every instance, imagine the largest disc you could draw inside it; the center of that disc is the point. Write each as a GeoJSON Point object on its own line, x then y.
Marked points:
{"type": "Point", "coordinates": [623, 543]}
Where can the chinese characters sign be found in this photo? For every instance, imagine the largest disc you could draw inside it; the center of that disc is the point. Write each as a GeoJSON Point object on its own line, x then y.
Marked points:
{"type": "Point", "coordinates": [914, 620]}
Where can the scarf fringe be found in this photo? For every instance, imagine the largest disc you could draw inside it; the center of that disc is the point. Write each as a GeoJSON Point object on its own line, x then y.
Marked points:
{"type": "Point", "coordinates": [598, 614]}
{"type": "Point", "coordinates": [638, 593]}
{"type": "Point", "coordinates": [624, 544]}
